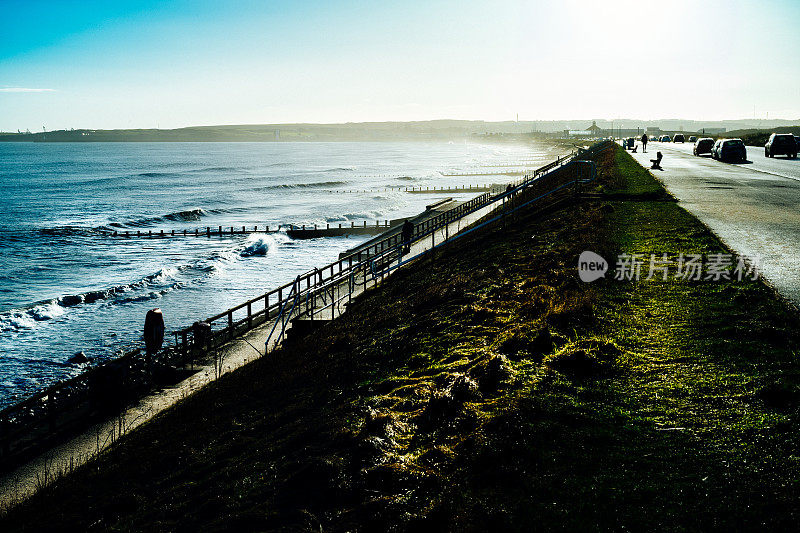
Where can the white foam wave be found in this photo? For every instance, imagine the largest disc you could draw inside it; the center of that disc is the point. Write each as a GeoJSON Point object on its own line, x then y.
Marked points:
{"type": "Point", "coordinates": [260, 244]}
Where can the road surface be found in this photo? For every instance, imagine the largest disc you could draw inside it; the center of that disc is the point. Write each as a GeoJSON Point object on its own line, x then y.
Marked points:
{"type": "Point", "coordinates": [754, 207]}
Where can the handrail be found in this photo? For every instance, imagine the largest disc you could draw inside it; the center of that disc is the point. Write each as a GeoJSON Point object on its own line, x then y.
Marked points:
{"type": "Point", "coordinates": [350, 273]}
{"type": "Point", "coordinates": [420, 231]}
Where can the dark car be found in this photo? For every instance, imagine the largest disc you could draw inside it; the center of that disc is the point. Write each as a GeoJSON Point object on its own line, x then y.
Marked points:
{"type": "Point", "coordinates": [729, 150]}
{"type": "Point", "coordinates": [692, 139]}
{"type": "Point", "coordinates": [679, 138]}
{"type": "Point", "coordinates": [665, 139]}
{"type": "Point", "coordinates": [781, 144]}
{"type": "Point", "coordinates": [703, 146]}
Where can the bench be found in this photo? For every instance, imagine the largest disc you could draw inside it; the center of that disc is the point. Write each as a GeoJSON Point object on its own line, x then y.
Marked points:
{"type": "Point", "coordinates": [657, 162]}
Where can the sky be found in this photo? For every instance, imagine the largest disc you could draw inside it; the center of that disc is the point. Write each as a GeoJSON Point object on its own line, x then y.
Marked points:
{"type": "Point", "coordinates": [167, 64]}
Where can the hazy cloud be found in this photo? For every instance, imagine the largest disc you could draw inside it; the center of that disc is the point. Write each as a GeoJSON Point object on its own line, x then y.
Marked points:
{"type": "Point", "coordinates": [24, 90]}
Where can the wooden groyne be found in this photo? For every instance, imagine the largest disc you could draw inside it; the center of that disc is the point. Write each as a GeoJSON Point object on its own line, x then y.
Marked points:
{"type": "Point", "coordinates": [486, 173]}
{"type": "Point", "coordinates": [379, 228]}
{"type": "Point", "coordinates": [209, 231]}
{"type": "Point", "coordinates": [296, 232]}
{"type": "Point", "coordinates": [38, 423]}
{"type": "Point", "coordinates": [313, 232]}
{"type": "Point", "coordinates": [463, 188]}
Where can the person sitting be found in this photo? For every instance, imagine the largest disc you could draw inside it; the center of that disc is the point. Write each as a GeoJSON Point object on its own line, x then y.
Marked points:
{"type": "Point", "coordinates": [657, 162]}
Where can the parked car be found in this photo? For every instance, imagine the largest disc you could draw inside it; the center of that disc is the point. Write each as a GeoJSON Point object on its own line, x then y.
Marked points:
{"type": "Point", "coordinates": [679, 138]}
{"type": "Point", "coordinates": [665, 139]}
{"type": "Point", "coordinates": [703, 146]}
{"type": "Point", "coordinates": [692, 139]}
{"type": "Point", "coordinates": [781, 144]}
{"type": "Point", "coordinates": [729, 150]}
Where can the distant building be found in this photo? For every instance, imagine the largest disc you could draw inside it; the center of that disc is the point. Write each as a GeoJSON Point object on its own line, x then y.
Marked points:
{"type": "Point", "coordinates": [591, 131]}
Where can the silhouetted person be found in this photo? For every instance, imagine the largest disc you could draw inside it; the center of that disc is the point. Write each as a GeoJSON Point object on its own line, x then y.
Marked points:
{"type": "Point", "coordinates": [644, 143]}
{"type": "Point", "coordinates": [657, 162]}
{"type": "Point", "coordinates": [407, 232]}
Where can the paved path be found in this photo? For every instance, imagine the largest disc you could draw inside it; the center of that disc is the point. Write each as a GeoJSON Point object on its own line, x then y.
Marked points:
{"type": "Point", "coordinates": [754, 207]}
{"type": "Point", "coordinates": [29, 477]}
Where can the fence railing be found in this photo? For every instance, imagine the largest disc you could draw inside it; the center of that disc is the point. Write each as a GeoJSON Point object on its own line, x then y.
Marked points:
{"type": "Point", "coordinates": [316, 294]}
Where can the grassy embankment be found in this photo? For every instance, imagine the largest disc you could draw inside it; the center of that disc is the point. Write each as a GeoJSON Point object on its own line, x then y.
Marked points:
{"type": "Point", "coordinates": [756, 137]}
{"type": "Point", "coordinates": [488, 389]}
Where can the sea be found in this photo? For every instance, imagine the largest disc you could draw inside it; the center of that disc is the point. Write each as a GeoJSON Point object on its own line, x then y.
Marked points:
{"type": "Point", "coordinates": [68, 287]}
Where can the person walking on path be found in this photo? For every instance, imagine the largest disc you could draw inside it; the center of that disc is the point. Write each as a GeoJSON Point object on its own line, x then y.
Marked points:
{"type": "Point", "coordinates": [407, 232]}
{"type": "Point", "coordinates": [644, 142]}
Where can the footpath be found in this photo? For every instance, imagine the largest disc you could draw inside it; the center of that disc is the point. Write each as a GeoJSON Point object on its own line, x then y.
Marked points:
{"type": "Point", "coordinates": [489, 388]}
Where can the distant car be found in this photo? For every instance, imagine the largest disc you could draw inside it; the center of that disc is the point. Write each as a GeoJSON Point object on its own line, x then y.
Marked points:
{"type": "Point", "coordinates": [703, 146]}
{"type": "Point", "coordinates": [679, 138]}
{"type": "Point", "coordinates": [692, 139]}
{"type": "Point", "coordinates": [729, 150]}
{"type": "Point", "coordinates": [665, 139]}
{"type": "Point", "coordinates": [781, 144]}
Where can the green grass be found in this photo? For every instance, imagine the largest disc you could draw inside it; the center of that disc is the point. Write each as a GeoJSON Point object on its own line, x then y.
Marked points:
{"type": "Point", "coordinates": [488, 389]}
{"type": "Point", "coordinates": [624, 178]}
{"type": "Point", "coordinates": [756, 137]}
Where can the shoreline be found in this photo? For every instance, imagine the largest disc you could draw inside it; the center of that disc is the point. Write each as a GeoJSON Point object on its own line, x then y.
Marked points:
{"type": "Point", "coordinates": [488, 387]}
{"type": "Point", "coordinates": [62, 459]}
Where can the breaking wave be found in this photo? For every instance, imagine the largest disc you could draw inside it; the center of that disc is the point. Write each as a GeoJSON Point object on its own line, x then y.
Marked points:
{"type": "Point", "coordinates": [42, 311]}
{"type": "Point", "coordinates": [69, 231]}
{"type": "Point", "coordinates": [155, 174]}
{"type": "Point", "coordinates": [219, 169]}
{"type": "Point", "coordinates": [366, 215]}
{"type": "Point", "coordinates": [190, 215]}
{"type": "Point", "coordinates": [260, 245]}
{"type": "Point", "coordinates": [313, 185]}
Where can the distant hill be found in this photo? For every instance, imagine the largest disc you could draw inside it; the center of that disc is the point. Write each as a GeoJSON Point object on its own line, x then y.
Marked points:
{"type": "Point", "coordinates": [365, 131]}
{"type": "Point", "coordinates": [758, 137]}
{"type": "Point", "coordinates": [380, 131]}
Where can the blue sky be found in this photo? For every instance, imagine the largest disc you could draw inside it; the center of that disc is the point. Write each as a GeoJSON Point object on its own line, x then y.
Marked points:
{"type": "Point", "coordinates": [176, 63]}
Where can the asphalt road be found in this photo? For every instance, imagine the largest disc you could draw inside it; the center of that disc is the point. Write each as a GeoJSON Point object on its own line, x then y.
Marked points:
{"type": "Point", "coordinates": [754, 207]}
